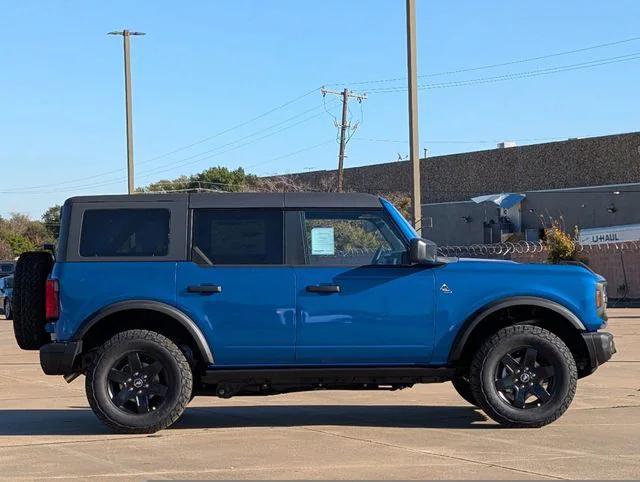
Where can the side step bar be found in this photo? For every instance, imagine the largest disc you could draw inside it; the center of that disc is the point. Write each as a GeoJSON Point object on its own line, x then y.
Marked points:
{"type": "Point", "coordinates": [330, 375]}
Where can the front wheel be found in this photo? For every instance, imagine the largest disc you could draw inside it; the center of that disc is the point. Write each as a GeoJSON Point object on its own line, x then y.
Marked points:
{"type": "Point", "coordinates": [524, 376]}
{"type": "Point", "coordinates": [139, 382]}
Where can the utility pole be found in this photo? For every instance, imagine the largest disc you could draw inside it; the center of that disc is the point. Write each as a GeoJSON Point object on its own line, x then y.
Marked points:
{"type": "Point", "coordinates": [414, 147]}
{"type": "Point", "coordinates": [127, 94]}
{"type": "Point", "coordinates": [344, 127]}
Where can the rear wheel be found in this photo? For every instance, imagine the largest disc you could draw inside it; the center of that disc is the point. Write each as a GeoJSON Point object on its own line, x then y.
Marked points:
{"type": "Point", "coordinates": [524, 376]}
{"type": "Point", "coordinates": [28, 304]}
{"type": "Point", "coordinates": [139, 382]}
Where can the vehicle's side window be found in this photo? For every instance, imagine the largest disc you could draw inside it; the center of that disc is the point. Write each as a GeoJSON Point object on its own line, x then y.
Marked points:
{"type": "Point", "coordinates": [238, 236]}
{"type": "Point", "coordinates": [354, 238]}
{"type": "Point", "coordinates": [125, 232]}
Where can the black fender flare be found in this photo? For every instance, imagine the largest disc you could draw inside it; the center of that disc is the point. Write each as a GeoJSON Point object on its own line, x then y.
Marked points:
{"type": "Point", "coordinates": [475, 319]}
{"type": "Point", "coordinates": [150, 305]}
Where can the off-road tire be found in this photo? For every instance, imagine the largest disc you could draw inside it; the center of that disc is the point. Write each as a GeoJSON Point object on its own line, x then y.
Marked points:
{"type": "Point", "coordinates": [483, 383]}
{"type": "Point", "coordinates": [180, 377]}
{"type": "Point", "coordinates": [28, 300]}
{"type": "Point", "coordinates": [463, 387]}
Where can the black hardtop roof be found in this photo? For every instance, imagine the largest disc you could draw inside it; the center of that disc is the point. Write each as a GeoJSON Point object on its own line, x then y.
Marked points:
{"type": "Point", "coordinates": [245, 199]}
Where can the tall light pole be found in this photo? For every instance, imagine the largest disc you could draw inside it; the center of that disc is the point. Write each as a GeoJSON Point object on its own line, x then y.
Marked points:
{"type": "Point", "coordinates": [127, 93]}
{"type": "Point", "coordinates": [414, 147]}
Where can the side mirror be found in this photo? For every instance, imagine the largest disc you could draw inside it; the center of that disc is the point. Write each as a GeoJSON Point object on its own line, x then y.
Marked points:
{"type": "Point", "coordinates": [422, 251]}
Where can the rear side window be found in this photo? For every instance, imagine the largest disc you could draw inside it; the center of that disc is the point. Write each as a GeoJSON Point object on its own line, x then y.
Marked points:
{"type": "Point", "coordinates": [238, 236]}
{"type": "Point", "coordinates": [125, 232]}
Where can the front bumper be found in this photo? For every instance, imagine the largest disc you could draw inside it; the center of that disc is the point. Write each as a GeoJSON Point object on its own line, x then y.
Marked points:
{"type": "Point", "coordinates": [601, 348]}
{"type": "Point", "coordinates": [59, 358]}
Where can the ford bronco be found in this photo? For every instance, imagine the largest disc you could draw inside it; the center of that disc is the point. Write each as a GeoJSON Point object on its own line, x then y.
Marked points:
{"type": "Point", "coordinates": [158, 298]}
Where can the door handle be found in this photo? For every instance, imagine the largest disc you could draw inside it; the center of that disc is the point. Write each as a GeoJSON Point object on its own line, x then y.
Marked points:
{"type": "Point", "coordinates": [323, 289]}
{"type": "Point", "coordinates": [204, 289]}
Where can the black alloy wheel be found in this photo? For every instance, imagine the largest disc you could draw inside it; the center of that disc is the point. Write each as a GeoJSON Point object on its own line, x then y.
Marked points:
{"type": "Point", "coordinates": [524, 379]}
{"type": "Point", "coordinates": [137, 383]}
{"type": "Point", "coordinates": [523, 376]}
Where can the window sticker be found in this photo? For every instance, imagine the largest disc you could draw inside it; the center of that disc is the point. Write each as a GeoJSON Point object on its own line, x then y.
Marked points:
{"type": "Point", "coordinates": [322, 241]}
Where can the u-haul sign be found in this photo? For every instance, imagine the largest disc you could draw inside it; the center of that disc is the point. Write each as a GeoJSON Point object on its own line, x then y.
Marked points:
{"type": "Point", "coordinates": [612, 234]}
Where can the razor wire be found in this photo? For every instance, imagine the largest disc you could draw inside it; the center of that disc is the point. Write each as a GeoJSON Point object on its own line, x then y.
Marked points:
{"type": "Point", "coordinates": [524, 247]}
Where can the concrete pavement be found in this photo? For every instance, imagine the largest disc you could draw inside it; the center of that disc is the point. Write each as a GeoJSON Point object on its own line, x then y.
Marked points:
{"type": "Point", "coordinates": [47, 431]}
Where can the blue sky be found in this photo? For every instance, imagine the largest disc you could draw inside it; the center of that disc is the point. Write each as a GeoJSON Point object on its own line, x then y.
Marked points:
{"type": "Point", "coordinates": [205, 67]}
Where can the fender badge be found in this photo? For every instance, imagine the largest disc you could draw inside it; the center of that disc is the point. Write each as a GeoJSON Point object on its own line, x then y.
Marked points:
{"type": "Point", "coordinates": [445, 289]}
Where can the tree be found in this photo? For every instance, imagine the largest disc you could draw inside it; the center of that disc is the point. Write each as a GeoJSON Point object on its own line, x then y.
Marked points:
{"type": "Point", "coordinates": [275, 184]}
{"type": "Point", "coordinates": [213, 179]}
{"type": "Point", "coordinates": [20, 234]}
{"type": "Point", "coordinates": [221, 179]}
{"type": "Point", "coordinates": [5, 250]}
{"type": "Point", "coordinates": [179, 184]}
{"type": "Point", "coordinates": [51, 220]}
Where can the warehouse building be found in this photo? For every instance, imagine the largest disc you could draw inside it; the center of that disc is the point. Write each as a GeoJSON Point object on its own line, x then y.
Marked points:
{"type": "Point", "coordinates": [603, 214]}
{"type": "Point", "coordinates": [493, 195]}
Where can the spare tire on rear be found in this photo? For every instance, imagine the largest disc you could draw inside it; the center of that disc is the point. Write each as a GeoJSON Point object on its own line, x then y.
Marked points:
{"type": "Point", "coordinates": [28, 302]}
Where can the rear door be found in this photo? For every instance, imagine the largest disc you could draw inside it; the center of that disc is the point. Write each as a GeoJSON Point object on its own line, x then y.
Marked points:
{"type": "Point", "coordinates": [237, 286]}
{"type": "Point", "coordinates": [357, 300]}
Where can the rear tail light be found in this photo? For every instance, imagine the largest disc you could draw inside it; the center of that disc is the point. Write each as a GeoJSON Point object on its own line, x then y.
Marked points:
{"type": "Point", "coordinates": [52, 300]}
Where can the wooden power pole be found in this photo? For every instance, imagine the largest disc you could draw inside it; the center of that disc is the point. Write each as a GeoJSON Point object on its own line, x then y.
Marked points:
{"type": "Point", "coordinates": [414, 147]}
{"type": "Point", "coordinates": [344, 128]}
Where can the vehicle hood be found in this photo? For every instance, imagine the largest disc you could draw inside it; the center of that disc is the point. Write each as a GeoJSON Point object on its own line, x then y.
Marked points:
{"type": "Point", "coordinates": [508, 266]}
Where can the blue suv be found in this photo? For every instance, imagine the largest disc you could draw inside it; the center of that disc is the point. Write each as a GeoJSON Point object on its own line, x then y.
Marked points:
{"type": "Point", "coordinates": [159, 298]}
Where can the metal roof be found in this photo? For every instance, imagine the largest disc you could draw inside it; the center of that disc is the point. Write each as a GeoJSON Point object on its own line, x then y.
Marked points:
{"type": "Point", "coordinates": [505, 200]}
{"type": "Point", "coordinates": [245, 199]}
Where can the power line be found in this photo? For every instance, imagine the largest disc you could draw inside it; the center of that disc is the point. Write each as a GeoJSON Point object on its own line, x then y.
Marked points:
{"type": "Point", "coordinates": [248, 136]}
{"type": "Point", "coordinates": [290, 154]}
{"type": "Point", "coordinates": [239, 146]}
{"type": "Point", "coordinates": [469, 141]}
{"type": "Point", "coordinates": [496, 65]}
{"type": "Point", "coordinates": [236, 126]}
{"type": "Point", "coordinates": [519, 75]}
{"type": "Point", "coordinates": [180, 162]}
{"type": "Point", "coordinates": [157, 171]}
{"type": "Point", "coordinates": [179, 149]}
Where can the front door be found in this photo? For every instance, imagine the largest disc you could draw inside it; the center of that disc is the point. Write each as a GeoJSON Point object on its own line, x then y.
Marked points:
{"type": "Point", "coordinates": [357, 299]}
{"type": "Point", "coordinates": [237, 287]}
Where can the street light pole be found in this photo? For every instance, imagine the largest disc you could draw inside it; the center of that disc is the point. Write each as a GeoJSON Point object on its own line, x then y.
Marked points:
{"type": "Point", "coordinates": [414, 147]}
{"type": "Point", "coordinates": [127, 93]}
